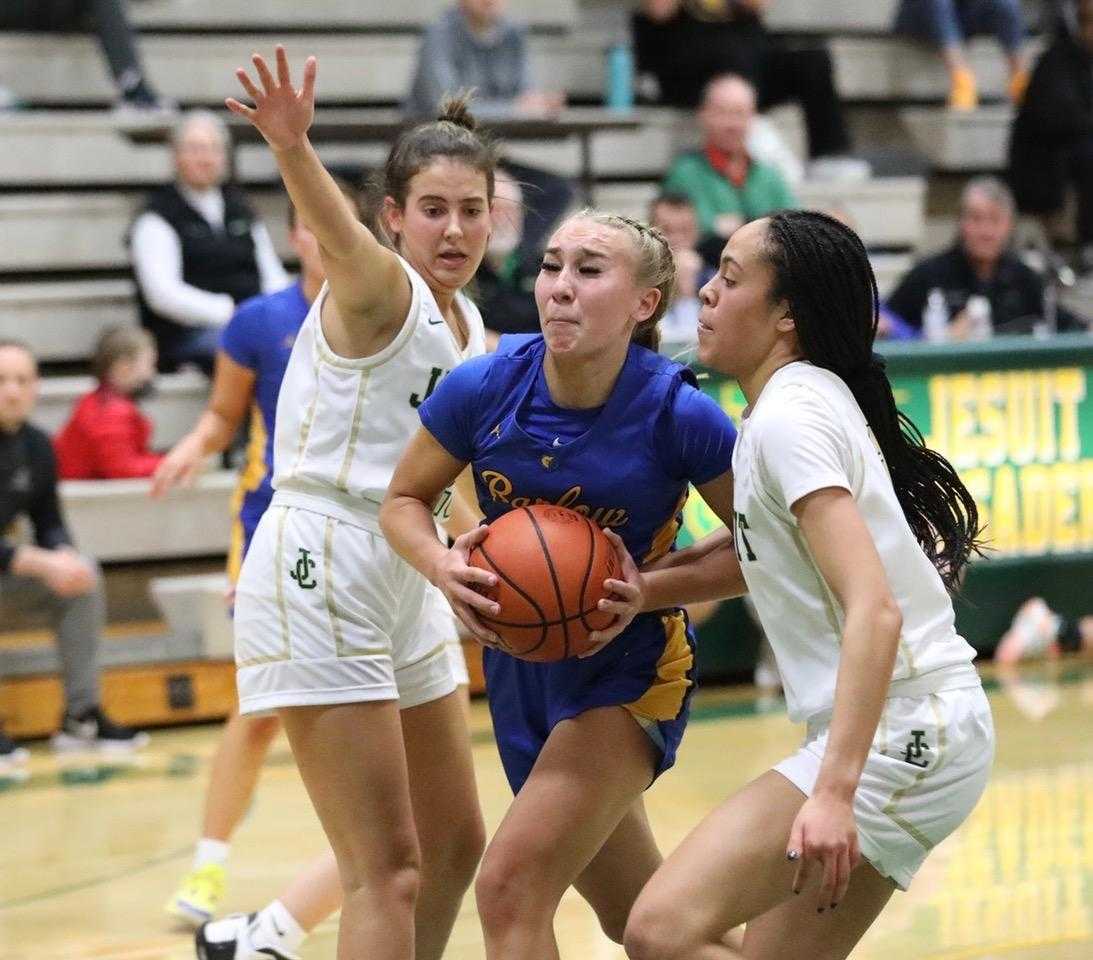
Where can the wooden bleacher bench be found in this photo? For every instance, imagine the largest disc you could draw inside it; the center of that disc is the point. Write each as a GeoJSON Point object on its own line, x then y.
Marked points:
{"type": "Point", "coordinates": [116, 520]}
{"type": "Point", "coordinates": [360, 14]}
{"type": "Point", "coordinates": [974, 142]}
{"type": "Point", "coordinates": [62, 319]}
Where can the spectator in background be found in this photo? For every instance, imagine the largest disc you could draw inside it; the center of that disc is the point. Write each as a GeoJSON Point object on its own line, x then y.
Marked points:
{"type": "Point", "coordinates": [948, 24]}
{"type": "Point", "coordinates": [1038, 632]}
{"type": "Point", "coordinates": [726, 185]}
{"type": "Point", "coordinates": [673, 214]}
{"type": "Point", "coordinates": [1051, 147]}
{"type": "Point", "coordinates": [505, 281]}
{"type": "Point", "coordinates": [109, 20]}
{"type": "Point", "coordinates": [685, 43]}
{"type": "Point", "coordinates": [50, 575]}
{"type": "Point", "coordinates": [980, 263]}
{"type": "Point", "coordinates": [473, 46]}
{"type": "Point", "coordinates": [107, 436]}
{"type": "Point", "coordinates": [198, 249]}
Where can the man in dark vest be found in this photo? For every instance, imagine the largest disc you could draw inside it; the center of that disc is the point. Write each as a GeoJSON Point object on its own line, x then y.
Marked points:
{"type": "Point", "coordinates": [198, 249]}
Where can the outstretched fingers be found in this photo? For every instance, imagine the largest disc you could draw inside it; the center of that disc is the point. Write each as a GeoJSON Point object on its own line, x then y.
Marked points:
{"type": "Point", "coordinates": [264, 75]}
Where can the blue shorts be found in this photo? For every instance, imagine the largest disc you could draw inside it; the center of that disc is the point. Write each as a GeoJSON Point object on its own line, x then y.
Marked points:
{"type": "Point", "coordinates": [648, 669]}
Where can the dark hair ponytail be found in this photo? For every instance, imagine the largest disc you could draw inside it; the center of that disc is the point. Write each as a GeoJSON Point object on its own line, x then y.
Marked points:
{"type": "Point", "coordinates": [453, 134]}
{"type": "Point", "coordinates": [821, 269]}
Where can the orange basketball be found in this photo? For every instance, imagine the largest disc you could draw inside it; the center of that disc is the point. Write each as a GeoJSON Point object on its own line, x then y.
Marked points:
{"type": "Point", "coordinates": [550, 563]}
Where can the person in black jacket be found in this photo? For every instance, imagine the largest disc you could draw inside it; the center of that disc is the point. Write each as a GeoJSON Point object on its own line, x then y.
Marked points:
{"type": "Point", "coordinates": [980, 263]}
{"type": "Point", "coordinates": [48, 575]}
{"type": "Point", "coordinates": [1051, 146]}
{"type": "Point", "coordinates": [199, 249]}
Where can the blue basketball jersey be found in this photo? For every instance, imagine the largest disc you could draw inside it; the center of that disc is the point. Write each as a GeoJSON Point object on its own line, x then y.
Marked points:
{"type": "Point", "coordinates": [260, 336]}
{"type": "Point", "coordinates": [629, 467]}
{"type": "Point", "coordinates": [626, 465]}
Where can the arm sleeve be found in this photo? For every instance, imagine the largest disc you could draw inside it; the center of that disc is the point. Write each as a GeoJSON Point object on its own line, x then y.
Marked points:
{"type": "Point", "coordinates": [157, 263]}
{"type": "Point", "coordinates": [115, 436]}
{"type": "Point", "coordinates": [803, 449]}
{"type": "Point", "coordinates": [449, 414]}
{"type": "Point", "coordinates": [696, 436]}
{"type": "Point", "coordinates": [241, 338]}
{"type": "Point", "coordinates": [45, 510]}
{"type": "Point", "coordinates": [271, 271]}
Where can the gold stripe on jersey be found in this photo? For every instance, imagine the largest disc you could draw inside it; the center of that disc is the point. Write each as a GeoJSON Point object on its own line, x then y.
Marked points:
{"type": "Point", "coordinates": [890, 808]}
{"type": "Point", "coordinates": [664, 537]}
{"type": "Point", "coordinates": [279, 579]}
{"type": "Point", "coordinates": [309, 417]}
{"type": "Point", "coordinates": [664, 698]}
{"type": "Point", "coordinates": [342, 483]}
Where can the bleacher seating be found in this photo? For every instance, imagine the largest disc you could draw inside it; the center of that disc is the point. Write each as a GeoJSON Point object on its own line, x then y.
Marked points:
{"type": "Point", "coordinates": [118, 520]}
{"type": "Point", "coordinates": [73, 180]}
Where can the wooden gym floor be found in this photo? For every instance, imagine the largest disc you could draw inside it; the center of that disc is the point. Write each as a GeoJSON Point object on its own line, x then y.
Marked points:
{"type": "Point", "coordinates": [90, 852]}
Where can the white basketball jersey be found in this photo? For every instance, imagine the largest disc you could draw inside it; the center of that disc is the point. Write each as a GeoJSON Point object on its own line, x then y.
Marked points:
{"type": "Point", "coordinates": [342, 424]}
{"type": "Point", "coordinates": [806, 432]}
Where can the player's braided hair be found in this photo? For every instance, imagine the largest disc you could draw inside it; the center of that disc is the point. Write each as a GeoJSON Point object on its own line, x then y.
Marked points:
{"type": "Point", "coordinates": [453, 134]}
{"type": "Point", "coordinates": [654, 266]}
{"type": "Point", "coordinates": [822, 271]}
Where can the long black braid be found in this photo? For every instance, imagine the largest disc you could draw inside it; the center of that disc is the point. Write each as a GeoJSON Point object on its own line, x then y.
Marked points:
{"type": "Point", "coordinates": [822, 271]}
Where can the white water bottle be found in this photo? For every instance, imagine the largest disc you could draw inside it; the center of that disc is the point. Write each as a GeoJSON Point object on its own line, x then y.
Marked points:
{"type": "Point", "coordinates": [979, 315]}
{"type": "Point", "coordinates": [935, 317]}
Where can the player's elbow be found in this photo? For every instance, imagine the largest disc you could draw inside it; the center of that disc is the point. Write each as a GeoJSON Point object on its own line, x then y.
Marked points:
{"type": "Point", "coordinates": [887, 618]}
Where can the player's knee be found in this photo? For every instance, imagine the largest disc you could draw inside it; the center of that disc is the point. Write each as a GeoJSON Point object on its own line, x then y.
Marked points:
{"type": "Point", "coordinates": [653, 934]}
{"type": "Point", "coordinates": [506, 887]}
{"type": "Point", "coordinates": [393, 877]}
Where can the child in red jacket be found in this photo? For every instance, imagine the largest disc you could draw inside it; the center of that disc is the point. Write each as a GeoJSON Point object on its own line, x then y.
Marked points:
{"type": "Point", "coordinates": [106, 438]}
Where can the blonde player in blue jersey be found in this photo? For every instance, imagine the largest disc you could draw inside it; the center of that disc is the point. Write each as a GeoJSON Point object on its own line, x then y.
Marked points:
{"type": "Point", "coordinates": [848, 529]}
{"type": "Point", "coordinates": [588, 416]}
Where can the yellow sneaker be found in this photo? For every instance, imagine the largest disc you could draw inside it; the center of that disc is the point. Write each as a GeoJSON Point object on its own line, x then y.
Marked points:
{"type": "Point", "coordinates": [1018, 85]}
{"type": "Point", "coordinates": [963, 95]}
{"type": "Point", "coordinates": [198, 896]}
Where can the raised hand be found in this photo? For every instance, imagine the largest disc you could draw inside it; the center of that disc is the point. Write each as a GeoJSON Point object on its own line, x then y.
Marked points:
{"type": "Point", "coordinates": [280, 112]}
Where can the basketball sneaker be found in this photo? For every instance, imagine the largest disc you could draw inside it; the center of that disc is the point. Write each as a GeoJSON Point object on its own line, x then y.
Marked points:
{"type": "Point", "coordinates": [92, 730]}
{"type": "Point", "coordinates": [230, 939]}
{"type": "Point", "coordinates": [198, 895]}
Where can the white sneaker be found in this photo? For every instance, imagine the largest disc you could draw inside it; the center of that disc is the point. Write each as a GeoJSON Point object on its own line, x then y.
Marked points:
{"type": "Point", "coordinates": [229, 939]}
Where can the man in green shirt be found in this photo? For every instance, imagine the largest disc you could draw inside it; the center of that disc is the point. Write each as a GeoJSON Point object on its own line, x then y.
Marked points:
{"type": "Point", "coordinates": [726, 186]}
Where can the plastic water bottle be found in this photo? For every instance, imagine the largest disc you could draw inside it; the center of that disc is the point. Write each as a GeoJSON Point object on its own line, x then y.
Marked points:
{"type": "Point", "coordinates": [619, 91]}
{"type": "Point", "coordinates": [979, 315]}
{"type": "Point", "coordinates": [935, 317]}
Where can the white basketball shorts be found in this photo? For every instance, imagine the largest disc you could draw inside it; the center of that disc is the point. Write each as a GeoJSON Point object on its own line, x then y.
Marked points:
{"type": "Point", "coordinates": [326, 612]}
{"type": "Point", "coordinates": [926, 770]}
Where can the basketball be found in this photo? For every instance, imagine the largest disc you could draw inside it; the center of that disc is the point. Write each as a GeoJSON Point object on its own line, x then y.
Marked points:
{"type": "Point", "coordinates": [550, 563]}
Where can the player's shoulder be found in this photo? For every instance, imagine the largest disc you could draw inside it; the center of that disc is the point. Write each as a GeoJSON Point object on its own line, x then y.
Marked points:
{"type": "Point", "coordinates": [799, 394]}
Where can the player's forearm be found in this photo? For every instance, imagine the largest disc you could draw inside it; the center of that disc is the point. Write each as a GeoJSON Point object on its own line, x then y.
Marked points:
{"type": "Point", "coordinates": [711, 575]}
{"type": "Point", "coordinates": [213, 432]}
{"type": "Point", "coordinates": [320, 204]}
{"type": "Point", "coordinates": [867, 656]}
{"type": "Point", "coordinates": [408, 525]}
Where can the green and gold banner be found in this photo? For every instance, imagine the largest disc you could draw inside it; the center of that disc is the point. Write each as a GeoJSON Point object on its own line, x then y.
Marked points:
{"type": "Point", "coordinates": [1014, 417]}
